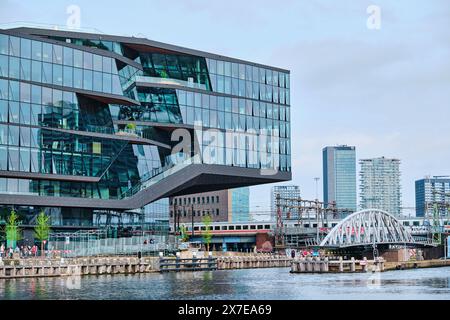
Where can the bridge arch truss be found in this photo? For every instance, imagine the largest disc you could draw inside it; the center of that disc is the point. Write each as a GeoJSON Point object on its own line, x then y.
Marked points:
{"type": "Point", "coordinates": [368, 227]}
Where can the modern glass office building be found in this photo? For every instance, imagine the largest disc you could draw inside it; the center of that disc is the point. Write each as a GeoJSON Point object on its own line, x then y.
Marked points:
{"type": "Point", "coordinates": [93, 124]}
{"type": "Point", "coordinates": [380, 184]}
{"type": "Point", "coordinates": [339, 176]}
{"type": "Point", "coordinates": [432, 191]}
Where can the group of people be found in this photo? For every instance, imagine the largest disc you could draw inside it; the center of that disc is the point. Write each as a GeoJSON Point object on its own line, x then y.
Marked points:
{"type": "Point", "coordinates": [23, 251]}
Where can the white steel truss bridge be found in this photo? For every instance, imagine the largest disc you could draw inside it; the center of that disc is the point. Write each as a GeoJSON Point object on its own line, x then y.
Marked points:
{"type": "Point", "coordinates": [368, 227]}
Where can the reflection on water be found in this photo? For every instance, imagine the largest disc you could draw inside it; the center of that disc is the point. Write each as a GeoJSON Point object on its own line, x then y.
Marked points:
{"type": "Point", "coordinates": [238, 284]}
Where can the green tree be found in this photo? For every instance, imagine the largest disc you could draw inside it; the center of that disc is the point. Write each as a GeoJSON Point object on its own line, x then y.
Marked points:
{"type": "Point", "coordinates": [184, 234]}
{"type": "Point", "coordinates": [163, 74]}
{"type": "Point", "coordinates": [42, 229]}
{"type": "Point", "coordinates": [207, 234]}
{"type": "Point", "coordinates": [131, 126]}
{"type": "Point", "coordinates": [12, 230]}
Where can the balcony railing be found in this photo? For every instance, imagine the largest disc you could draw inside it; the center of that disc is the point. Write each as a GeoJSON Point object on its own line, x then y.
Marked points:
{"type": "Point", "coordinates": [170, 81]}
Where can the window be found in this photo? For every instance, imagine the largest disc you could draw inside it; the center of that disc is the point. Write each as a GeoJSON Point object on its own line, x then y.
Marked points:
{"type": "Point", "coordinates": [4, 66]}
{"type": "Point", "coordinates": [36, 50]}
{"type": "Point", "coordinates": [25, 92]}
{"type": "Point", "coordinates": [25, 114]}
{"type": "Point", "coordinates": [97, 147]}
{"type": "Point", "coordinates": [107, 63]}
{"type": "Point", "coordinates": [3, 118]}
{"type": "Point", "coordinates": [98, 77]}
{"type": "Point", "coordinates": [3, 133]}
{"type": "Point", "coordinates": [24, 159]}
{"type": "Point", "coordinates": [57, 54]}
{"type": "Point", "coordinates": [25, 69]}
{"type": "Point", "coordinates": [35, 114]}
{"type": "Point", "coordinates": [87, 79]}
{"type": "Point", "coordinates": [57, 75]}
{"type": "Point", "coordinates": [13, 159]}
{"type": "Point", "coordinates": [68, 56]}
{"type": "Point", "coordinates": [98, 63]}
{"type": "Point", "coordinates": [14, 113]}
{"type": "Point", "coordinates": [107, 83]}
{"type": "Point", "coordinates": [3, 157]}
{"type": "Point", "coordinates": [47, 52]}
{"type": "Point", "coordinates": [14, 67]}
{"type": "Point", "coordinates": [78, 58]}
{"type": "Point", "coordinates": [47, 73]}
{"type": "Point", "coordinates": [36, 71]}
{"type": "Point", "coordinates": [67, 76]}
{"type": "Point", "coordinates": [87, 60]}
{"type": "Point", "coordinates": [14, 46]}
{"type": "Point", "coordinates": [4, 44]}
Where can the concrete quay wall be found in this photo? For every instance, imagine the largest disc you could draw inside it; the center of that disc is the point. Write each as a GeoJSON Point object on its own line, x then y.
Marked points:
{"type": "Point", "coordinates": [36, 267]}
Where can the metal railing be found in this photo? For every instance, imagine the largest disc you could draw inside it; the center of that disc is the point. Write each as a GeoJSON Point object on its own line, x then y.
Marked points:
{"type": "Point", "coordinates": [160, 174]}
{"type": "Point", "coordinates": [96, 243]}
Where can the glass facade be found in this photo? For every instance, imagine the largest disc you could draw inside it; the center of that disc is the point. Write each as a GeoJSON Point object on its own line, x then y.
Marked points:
{"type": "Point", "coordinates": [432, 191]}
{"type": "Point", "coordinates": [240, 204]}
{"type": "Point", "coordinates": [30, 60]}
{"type": "Point", "coordinates": [67, 129]}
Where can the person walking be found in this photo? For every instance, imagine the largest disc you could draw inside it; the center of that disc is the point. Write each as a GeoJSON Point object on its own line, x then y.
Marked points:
{"type": "Point", "coordinates": [33, 250]}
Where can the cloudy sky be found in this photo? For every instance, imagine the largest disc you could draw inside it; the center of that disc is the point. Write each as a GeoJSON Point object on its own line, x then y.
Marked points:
{"type": "Point", "coordinates": [385, 91]}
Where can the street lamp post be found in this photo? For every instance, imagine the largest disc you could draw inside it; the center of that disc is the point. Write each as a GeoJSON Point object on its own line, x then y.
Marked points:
{"type": "Point", "coordinates": [192, 222]}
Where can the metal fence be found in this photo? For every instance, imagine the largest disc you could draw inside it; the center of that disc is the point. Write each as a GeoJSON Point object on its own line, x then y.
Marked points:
{"type": "Point", "coordinates": [96, 243]}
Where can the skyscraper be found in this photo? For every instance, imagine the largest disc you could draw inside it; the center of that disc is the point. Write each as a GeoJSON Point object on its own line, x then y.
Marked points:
{"type": "Point", "coordinates": [289, 192]}
{"type": "Point", "coordinates": [424, 194]}
{"type": "Point", "coordinates": [380, 184]}
{"type": "Point", "coordinates": [339, 176]}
